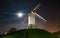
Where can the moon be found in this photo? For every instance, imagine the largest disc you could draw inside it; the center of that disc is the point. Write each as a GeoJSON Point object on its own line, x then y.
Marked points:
{"type": "Point", "coordinates": [20, 14]}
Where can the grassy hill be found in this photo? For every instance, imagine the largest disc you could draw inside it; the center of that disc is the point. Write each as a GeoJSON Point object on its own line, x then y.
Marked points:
{"type": "Point", "coordinates": [57, 34]}
{"type": "Point", "coordinates": [29, 33]}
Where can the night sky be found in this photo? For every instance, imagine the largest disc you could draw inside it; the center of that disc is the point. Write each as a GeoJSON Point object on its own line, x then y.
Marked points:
{"type": "Point", "coordinates": [49, 10]}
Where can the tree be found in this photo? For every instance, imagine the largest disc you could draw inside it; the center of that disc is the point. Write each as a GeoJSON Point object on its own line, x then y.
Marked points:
{"type": "Point", "coordinates": [12, 30]}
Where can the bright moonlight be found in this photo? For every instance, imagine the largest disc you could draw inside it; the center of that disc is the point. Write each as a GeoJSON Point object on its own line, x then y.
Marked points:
{"type": "Point", "coordinates": [20, 14]}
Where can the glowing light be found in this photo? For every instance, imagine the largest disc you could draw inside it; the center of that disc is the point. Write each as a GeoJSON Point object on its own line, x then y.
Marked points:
{"type": "Point", "coordinates": [5, 33]}
{"type": "Point", "coordinates": [20, 14]}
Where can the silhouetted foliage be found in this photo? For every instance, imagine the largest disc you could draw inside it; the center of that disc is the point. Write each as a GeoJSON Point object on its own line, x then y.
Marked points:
{"type": "Point", "coordinates": [12, 30]}
{"type": "Point", "coordinates": [57, 34]}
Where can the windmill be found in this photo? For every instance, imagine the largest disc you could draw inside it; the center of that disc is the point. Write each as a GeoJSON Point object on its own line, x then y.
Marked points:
{"type": "Point", "coordinates": [31, 18]}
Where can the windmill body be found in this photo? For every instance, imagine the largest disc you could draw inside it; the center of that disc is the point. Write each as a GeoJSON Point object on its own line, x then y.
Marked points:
{"type": "Point", "coordinates": [31, 20]}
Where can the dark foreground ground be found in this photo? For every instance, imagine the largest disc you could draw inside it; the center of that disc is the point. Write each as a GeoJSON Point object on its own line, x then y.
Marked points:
{"type": "Point", "coordinates": [29, 33]}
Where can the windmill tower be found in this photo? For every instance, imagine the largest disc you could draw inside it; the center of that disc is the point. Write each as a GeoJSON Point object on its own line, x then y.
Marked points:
{"type": "Point", "coordinates": [31, 20]}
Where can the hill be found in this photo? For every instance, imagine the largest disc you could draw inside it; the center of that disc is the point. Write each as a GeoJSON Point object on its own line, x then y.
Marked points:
{"type": "Point", "coordinates": [29, 33]}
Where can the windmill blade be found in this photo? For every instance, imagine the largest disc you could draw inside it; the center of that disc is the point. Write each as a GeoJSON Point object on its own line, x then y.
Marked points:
{"type": "Point", "coordinates": [41, 17]}
{"type": "Point", "coordinates": [36, 7]}
{"type": "Point", "coordinates": [25, 19]}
